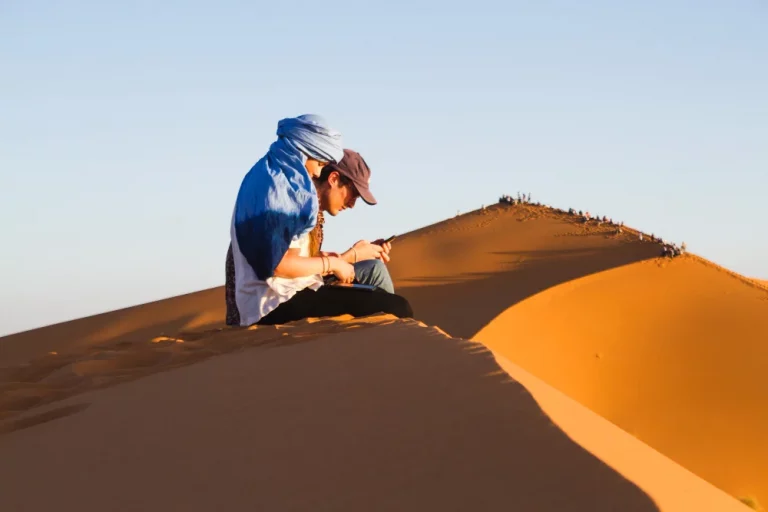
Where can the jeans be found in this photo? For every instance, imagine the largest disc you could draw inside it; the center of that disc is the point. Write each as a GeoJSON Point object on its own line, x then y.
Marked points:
{"type": "Point", "coordinates": [374, 272]}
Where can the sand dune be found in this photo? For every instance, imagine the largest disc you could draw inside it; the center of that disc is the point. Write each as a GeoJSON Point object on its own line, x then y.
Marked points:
{"type": "Point", "coordinates": [195, 310]}
{"type": "Point", "coordinates": [58, 375]}
{"type": "Point", "coordinates": [669, 350]}
{"type": "Point", "coordinates": [685, 338]}
{"type": "Point", "coordinates": [398, 417]}
{"type": "Point", "coordinates": [672, 351]}
{"type": "Point", "coordinates": [462, 273]}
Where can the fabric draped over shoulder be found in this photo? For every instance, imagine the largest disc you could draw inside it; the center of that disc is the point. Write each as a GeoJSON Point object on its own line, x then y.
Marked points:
{"type": "Point", "coordinates": [277, 201]}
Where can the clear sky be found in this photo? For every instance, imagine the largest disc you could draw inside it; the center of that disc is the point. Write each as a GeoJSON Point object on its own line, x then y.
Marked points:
{"type": "Point", "coordinates": [126, 127]}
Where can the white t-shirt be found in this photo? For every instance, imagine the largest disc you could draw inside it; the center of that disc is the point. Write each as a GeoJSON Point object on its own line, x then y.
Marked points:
{"type": "Point", "coordinates": [256, 298]}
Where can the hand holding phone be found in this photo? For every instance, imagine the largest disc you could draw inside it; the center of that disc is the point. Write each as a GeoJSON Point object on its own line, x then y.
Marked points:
{"type": "Point", "coordinates": [387, 241]}
{"type": "Point", "coordinates": [385, 248]}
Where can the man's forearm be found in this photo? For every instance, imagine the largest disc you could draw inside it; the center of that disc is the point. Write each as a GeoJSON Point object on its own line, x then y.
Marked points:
{"type": "Point", "coordinates": [348, 256]}
{"type": "Point", "coordinates": [293, 265]}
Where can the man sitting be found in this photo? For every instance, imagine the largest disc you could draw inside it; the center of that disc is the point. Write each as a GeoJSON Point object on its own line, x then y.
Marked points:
{"type": "Point", "coordinates": [338, 187]}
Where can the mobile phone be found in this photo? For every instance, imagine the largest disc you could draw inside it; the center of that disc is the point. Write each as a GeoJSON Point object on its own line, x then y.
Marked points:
{"type": "Point", "coordinates": [388, 240]}
{"type": "Point", "coordinates": [354, 286]}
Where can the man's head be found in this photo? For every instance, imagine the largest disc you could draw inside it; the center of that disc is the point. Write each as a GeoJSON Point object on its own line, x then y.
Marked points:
{"type": "Point", "coordinates": [340, 184]}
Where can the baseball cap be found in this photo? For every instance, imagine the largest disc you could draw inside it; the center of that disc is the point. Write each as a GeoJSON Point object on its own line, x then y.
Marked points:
{"type": "Point", "coordinates": [354, 167]}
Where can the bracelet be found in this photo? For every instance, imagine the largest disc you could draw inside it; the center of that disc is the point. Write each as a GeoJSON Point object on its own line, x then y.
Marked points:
{"type": "Point", "coordinates": [325, 259]}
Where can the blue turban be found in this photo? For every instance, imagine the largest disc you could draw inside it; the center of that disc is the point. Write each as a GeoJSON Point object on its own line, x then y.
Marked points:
{"type": "Point", "coordinates": [277, 200]}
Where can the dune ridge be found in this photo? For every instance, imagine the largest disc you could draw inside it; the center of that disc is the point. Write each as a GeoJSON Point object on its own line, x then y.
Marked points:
{"type": "Point", "coordinates": [500, 256]}
{"type": "Point", "coordinates": [745, 279]}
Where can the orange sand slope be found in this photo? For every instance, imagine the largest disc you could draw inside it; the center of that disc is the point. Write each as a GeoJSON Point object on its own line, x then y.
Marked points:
{"type": "Point", "coordinates": [478, 270]}
{"type": "Point", "coordinates": [393, 417]}
{"type": "Point", "coordinates": [671, 324]}
{"type": "Point", "coordinates": [59, 375]}
{"type": "Point", "coordinates": [199, 309]}
{"type": "Point", "coordinates": [672, 351]}
{"type": "Point", "coordinates": [461, 273]}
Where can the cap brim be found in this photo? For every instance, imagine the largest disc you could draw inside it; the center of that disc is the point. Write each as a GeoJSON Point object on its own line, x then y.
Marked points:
{"type": "Point", "coordinates": [365, 193]}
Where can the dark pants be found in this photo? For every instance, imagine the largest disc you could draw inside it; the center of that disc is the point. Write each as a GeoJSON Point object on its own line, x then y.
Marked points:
{"type": "Point", "coordinates": [332, 301]}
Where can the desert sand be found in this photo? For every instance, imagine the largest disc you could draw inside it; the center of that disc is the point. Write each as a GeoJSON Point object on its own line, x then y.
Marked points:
{"type": "Point", "coordinates": [671, 350]}
{"type": "Point", "coordinates": [372, 414]}
{"type": "Point", "coordinates": [204, 308]}
{"type": "Point", "coordinates": [676, 357]}
{"type": "Point", "coordinates": [645, 365]}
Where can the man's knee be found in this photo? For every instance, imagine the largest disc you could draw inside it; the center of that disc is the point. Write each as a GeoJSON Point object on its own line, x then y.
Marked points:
{"type": "Point", "coordinates": [378, 269]}
{"type": "Point", "coordinates": [370, 267]}
{"type": "Point", "coordinates": [376, 273]}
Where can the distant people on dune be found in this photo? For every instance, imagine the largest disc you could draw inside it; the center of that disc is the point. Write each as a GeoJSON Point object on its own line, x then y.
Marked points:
{"type": "Point", "coordinates": [275, 271]}
{"type": "Point", "coordinates": [520, 199]}
{"type": "Point", "coordinates": [670, 250]}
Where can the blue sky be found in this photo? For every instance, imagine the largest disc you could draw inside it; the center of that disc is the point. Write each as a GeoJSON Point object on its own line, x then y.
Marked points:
{"type": "Point", "coordinates": [125, 129]}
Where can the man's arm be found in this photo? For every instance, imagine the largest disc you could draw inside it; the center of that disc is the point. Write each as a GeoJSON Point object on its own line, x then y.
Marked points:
{"type": "Point", "coordinates": [294, 265]}
{"type": "Point", "coordinates": [363, 251]}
